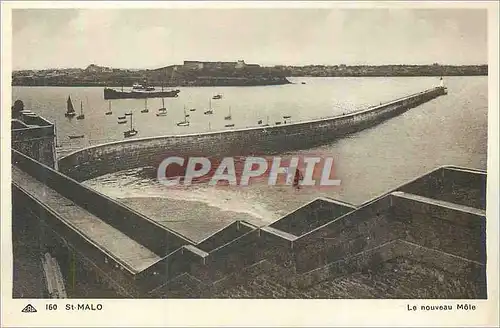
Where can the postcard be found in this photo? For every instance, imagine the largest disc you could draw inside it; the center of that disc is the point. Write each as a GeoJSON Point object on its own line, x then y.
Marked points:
{"type": "Point", "coordinates": [249, 164]}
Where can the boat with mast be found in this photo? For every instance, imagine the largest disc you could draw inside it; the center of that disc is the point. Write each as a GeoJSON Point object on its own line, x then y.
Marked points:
{"type": "Point", "coordinates": [81, 116]}
{"type": "Point", "coordinates": [210, 110]}
{"type": "Point", "coordinates": [145, 110]}
{"type": "Point", "coordinates": [132, 132]}
{"type": "Point", "coordinates": [70, 111]}
{"type": "Point", "coordinates": [185, 122]}
{"type": "Point", "coordinates": [109, 112]}
{"type": "Point", "coordinates": [267, 122]}
{"type": "Point", "coordinates": [162, 109]}
{"type": "Point", "coordinates": [229, 116]}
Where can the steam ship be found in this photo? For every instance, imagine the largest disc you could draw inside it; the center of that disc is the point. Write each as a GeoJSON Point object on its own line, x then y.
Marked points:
{"type": "Point", "coordinates": [139, 93]}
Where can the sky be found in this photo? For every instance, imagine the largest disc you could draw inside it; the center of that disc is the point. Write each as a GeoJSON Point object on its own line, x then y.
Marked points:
{"type": "Point", "coordinates": [151, 38]}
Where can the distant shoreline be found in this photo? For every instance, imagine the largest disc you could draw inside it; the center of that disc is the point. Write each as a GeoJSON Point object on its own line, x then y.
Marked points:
{"type": "Point", "coordinates": [102, 85]}
{"type": "Point", "coordinates": [228, 74]}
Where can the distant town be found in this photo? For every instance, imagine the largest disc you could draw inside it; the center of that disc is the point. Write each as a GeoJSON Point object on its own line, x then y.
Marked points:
{"type": "Point", "coordinates": [238, 73]}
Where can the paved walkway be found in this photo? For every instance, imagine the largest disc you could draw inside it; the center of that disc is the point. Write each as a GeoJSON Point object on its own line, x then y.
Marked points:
{"type": "Point", "coordinates": [119, 246]}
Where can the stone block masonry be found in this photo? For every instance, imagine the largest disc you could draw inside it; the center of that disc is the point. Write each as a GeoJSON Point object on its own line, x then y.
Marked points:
{"type": "Point", "coordinates": [339, 242]}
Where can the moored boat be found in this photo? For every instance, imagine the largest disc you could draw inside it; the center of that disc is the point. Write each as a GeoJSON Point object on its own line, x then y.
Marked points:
{"type": "Point", "coordinates": [210, 110]}
{"type": "Point", "coordinates": [185, 122]}
{"type": "Point", "coordinates": [145, 110]}
{"type": "Point", "coordinates": [79, 136]}
{"type": "Point", "coordinates": [115, 94]}
{"type": "Point", "coordinates": [229, 116]}
{"type": "Point", "coordinates": [109, 112]}
{"type": "Point", "coordinates": [163, 108]}
{"type": "Point", "coordinates": [81, 116]}
{"type": "Point", "coordinates": [132, 132]}
{"type": "Point", "coordinates": [70, 111]}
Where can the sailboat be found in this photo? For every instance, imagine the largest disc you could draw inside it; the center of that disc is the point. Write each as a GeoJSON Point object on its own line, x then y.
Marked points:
{"type": "Point", "coordinates": [109, 112]}
{"type": "Point", "coordinates": [185, 122]}
{"type": "Point", "coordinates": [228, 117]}
{"type": "Point", "coordinates": [145, 110]}
{"type": "Point", "coordinates": [267, 123]}
{"type": "Point", "coordinates": [209, 111]}
{"type": "Point", "coordinates": [132, 132]}
{"type": "Point", "coordinates": [70, 110]}
{"type": "Point", "coordinates": [162, 109]}
{"type": "Point", "coordinates": [81, 116]}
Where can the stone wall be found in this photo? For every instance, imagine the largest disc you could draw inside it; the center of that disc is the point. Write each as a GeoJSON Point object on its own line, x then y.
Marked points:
{"type": "Point", "coordinates": [140, 228]}
{"type": "Point", "coordinates": [322, 240]}
{"type": "Point", "coordinates": [365, 228]}
{"type": "Point", "coordinates": [449, 230]}
{"type": "Point", "coordinates": [460, 186]}
{"type": "Point", "coordinates": [99, 160]}
{"type": "Point", "coordinates": [37, 143]}
{"type": "Point", "coordinates": [225, 235]}
{"type": "Point", "coordinates": [464, 187]}
{"type": "Point", "coordinates": [59, 236]}
{"type": "Point", "coordinates": [311, 216]}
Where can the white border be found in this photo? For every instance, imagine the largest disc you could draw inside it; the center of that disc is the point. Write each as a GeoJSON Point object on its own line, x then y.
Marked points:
{"type": "Point", "coordinates": [254, 312]}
